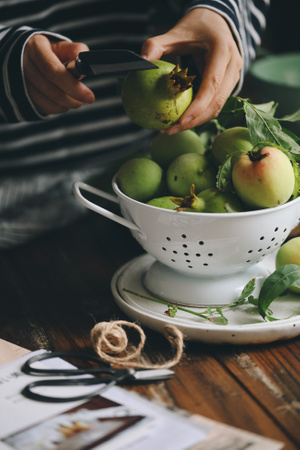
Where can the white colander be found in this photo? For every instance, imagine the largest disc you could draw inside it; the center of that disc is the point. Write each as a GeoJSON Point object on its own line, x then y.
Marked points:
{"type": "Point", "coordinates": [200, 258]}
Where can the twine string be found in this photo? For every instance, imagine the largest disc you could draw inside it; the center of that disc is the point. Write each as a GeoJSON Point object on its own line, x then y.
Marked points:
{"type": "Point", "coordinates": [110, 342]}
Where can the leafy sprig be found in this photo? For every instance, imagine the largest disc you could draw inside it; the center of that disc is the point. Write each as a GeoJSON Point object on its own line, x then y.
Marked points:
{"type": "Point", "coordinates": [273, 287]}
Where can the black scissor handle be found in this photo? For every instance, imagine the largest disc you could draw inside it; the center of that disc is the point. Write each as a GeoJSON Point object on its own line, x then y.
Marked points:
{"type": "Point", "coordinates": [28, 391]}
{"type": "Point", "coordinates": [113, 378]}
{"type": "Point", "coordinates": [27, 368]}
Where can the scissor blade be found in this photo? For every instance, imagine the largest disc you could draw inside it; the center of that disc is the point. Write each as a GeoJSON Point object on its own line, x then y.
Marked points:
{"type": "Point", "coordinates": [153, 374]}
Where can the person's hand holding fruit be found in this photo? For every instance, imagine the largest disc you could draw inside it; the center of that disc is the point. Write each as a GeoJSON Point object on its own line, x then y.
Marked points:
{"type": "Point", "coordinates": [207, 36]}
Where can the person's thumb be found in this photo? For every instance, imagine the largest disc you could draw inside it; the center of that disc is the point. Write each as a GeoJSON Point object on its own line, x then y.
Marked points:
{"type": "Point", "coordinates": [67, 51]}
{"type": "Point", "coordinates": [152, 49]}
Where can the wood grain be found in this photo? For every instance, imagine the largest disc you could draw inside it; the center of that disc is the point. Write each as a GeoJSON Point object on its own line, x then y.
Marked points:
{"type": "Point", "coordinates": [55, 289]}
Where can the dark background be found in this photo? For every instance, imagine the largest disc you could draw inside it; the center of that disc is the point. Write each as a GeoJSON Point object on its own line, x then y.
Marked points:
{"type": "Point", "coordinates": [282, 33]}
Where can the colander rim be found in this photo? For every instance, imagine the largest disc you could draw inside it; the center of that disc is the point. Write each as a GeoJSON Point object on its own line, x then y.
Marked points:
{"type": "Point", "coordinates": [262, 211]}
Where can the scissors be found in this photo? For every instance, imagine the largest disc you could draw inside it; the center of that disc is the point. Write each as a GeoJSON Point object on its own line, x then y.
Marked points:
{"type": "Point", "coordinates": [105, 374]}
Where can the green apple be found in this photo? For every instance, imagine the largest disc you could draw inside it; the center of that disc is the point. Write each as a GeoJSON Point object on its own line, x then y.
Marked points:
{"type": "Point", "coordinates": [189, 169]}
{"type": "Point", "coordinates": [289, 253]}
{"type": "Point", "coordinates": [211, 200]}
{"type": "Point", "coordinates": [140, 179]}
{"type": "Point", "coordinates": [163, 202]}
{"type": "Point", "coordinates": [164, 148]}
{"type": "Point", "coordinates": [156, 99]}
{"type": "Point", "coordinates": [229, 141]}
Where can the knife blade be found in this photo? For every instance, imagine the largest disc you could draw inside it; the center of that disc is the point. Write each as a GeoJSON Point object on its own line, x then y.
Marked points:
{"type": "Point", "coordinates": [107, 62]}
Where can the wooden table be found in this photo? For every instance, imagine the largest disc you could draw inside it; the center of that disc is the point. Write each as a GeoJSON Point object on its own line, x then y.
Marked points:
{"type": "Point", "coordinates": [54, 289]}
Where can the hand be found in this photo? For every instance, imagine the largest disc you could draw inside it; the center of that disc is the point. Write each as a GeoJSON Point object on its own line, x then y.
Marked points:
{"type": "Point", "coordinates": [206, 35]}
{"type": "Point", "coordinates": [50, 85]}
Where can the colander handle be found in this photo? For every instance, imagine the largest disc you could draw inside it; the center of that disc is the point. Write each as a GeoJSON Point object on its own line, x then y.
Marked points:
{"type": "Point", "coordinates": [79, 185]}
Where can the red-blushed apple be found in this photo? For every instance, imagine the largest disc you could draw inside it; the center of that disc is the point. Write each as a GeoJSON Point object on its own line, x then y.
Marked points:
{"type": "Point", "coordinates": [263, 178]}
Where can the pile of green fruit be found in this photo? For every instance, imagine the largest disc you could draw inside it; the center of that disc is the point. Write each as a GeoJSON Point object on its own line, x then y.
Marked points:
{"type": "Point", "coordinates": [181, 173]}
{"type": "Point", "coordinates": [237, 168]}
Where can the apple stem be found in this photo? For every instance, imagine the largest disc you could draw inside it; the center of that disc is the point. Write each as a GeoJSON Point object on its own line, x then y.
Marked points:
{"type": "Point", "coordinates": [190, 202]}
{"type": "Point", "coordinates": [256, 155]}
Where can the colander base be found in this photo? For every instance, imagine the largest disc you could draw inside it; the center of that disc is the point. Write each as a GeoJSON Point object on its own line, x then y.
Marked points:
{"type": "Point", "coordinates": [245, 325]}
{"type": "Point", "coordinates": [181, 289]}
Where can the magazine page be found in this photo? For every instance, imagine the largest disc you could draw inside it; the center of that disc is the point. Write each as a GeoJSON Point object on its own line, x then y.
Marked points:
{"type": "Point", "coordinates": [102, 422]}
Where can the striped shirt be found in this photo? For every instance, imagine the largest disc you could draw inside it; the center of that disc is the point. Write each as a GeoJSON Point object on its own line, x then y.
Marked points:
{"type": "Point", "coordinates": [41, 156]}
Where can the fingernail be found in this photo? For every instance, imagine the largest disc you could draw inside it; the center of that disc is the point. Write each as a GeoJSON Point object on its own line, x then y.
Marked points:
{"type": "Point", "coordinates": [175, 129]}
{"type": "Point", "coordinates": [89, 98]}
{"type": "Point", "coordinates": [187, 120]}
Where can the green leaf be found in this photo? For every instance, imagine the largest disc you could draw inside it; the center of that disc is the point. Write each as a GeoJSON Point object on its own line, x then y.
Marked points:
{"type": "Point", "coordinates": [232, 109]}
{"type": "Point", "coordinates": [269, 107]}
{"type": "Point", "coordinates": [219, 310]}
{"type": "Point", "coordinates": [224, 179]}
{"type": "Point", "coordinates": [248, 289]}
{"type": "Point", "coordinates": [275, 285]}
{"type": "Point", "coordinates": [263, 127]}
{"type": "Point", "coordinates": [172, 310]}
{"type": "Point", "coordinates": [294, 117]}
{"type": "Point", "coordinates": [252, 300]}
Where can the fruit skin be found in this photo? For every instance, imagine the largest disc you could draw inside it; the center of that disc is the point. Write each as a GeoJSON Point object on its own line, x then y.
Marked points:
{"type": "Point", "coordinates": [289, 253]}
{"type": "Point", "coordinates": [217, 201]}
{"type": "Point", "coordinates": [165, 148]}
{"type": "Point", "coordinates": [188, 169]}
{"type": "Point", "coordinates": [141, 179]}
{"type": "Point", "coordinates": [263, 178]}
{"type": "Point", "coordinates": [229, 141]}
{"type": "Point", "coordinates": [211, 200]}
{"type": "Point", "coordinates": [163, 202]}
{"type": "Point", "coordinates": [150, 101]}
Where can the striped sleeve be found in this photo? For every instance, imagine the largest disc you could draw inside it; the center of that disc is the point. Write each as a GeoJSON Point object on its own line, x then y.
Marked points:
{"type": "Point", "coordinates": [247, 20]}
{"type": "Point", "coordinates": [16, 105]}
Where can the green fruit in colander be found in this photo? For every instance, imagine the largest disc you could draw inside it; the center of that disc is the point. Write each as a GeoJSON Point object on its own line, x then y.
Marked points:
{"type": "Point", "coordinates": [189, 169]}
{"type": "Point", "coordinates": [165, 202]}
{"type": "Point", "coordinates": [230, 141]}
{"type": "Point", "coordinates": [140, 179]}
{"type": "Point", "coordinates": [165, 148]}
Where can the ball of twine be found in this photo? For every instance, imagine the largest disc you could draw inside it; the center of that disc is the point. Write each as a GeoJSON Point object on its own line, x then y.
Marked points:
{"type": "Point", "coordinates": [110, 342]}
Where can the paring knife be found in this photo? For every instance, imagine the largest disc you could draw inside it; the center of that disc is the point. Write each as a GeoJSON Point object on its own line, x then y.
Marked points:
{"type": "Point", "coordinates": [107, 62]}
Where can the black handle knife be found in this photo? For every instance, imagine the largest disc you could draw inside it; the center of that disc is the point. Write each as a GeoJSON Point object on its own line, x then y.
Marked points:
{"type": "Point", "coordinates": [107, 62]}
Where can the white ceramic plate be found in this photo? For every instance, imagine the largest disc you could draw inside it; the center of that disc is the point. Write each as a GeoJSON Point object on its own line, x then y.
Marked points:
{"type": "Point", "coordinates": [245, 325]}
